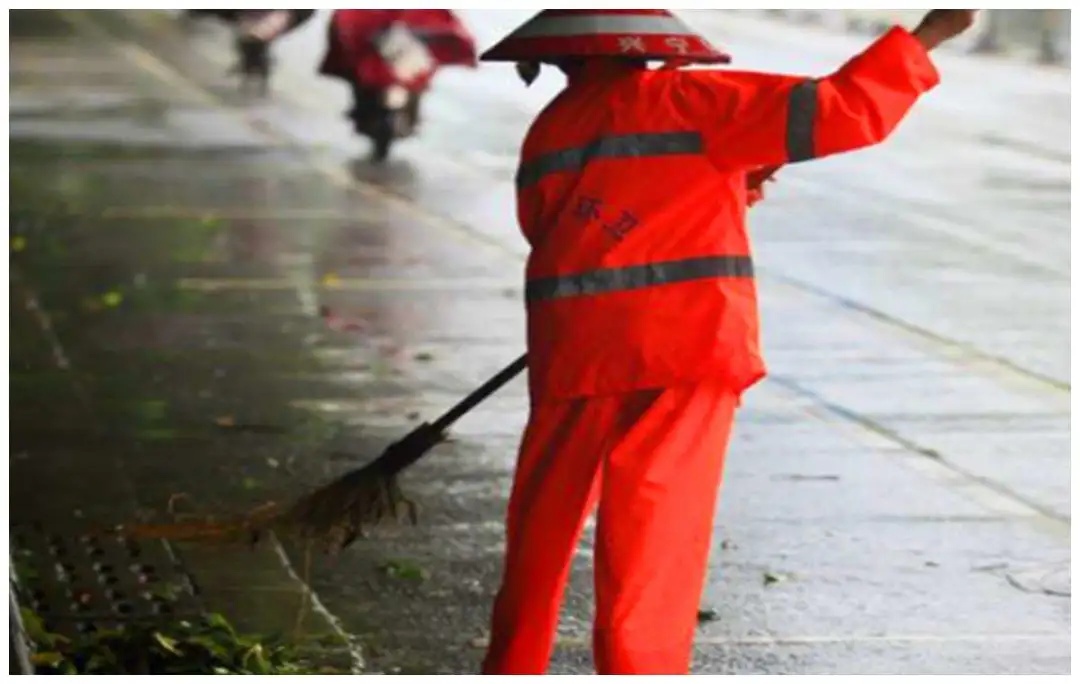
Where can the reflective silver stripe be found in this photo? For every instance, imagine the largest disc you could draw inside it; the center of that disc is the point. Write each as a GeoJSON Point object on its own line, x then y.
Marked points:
{"type": "Point", "coordinates": [802, 107]}
{"type": "Point", "coordinates": [633, 145]}
{"type": "Point", "coordinates": [607, 24]}
{"type": "Point", "coordinates": [635, 277]}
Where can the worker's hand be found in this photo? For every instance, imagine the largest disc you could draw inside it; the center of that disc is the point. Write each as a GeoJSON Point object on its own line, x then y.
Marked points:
{"type": "Point", "coordinates": [941, 25]}
{"type": "Point", "coordinates": [755, 183]}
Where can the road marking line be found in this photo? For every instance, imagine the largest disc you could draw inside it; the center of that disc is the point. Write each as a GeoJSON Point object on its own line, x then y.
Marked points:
{"type": "Point", "coordinates": [44, 321]}
{"type": "Point", "coordinates": [219, 214]}
{"type": "Point", "coordinates": [992, 495]}
{"type": "Point", "coordinates": [354, 648]}
{"type": "Point", "coordinates": [350, 284]}
{"type": "Point", "coordinates": [969, 354]}
{"type": "Point", "coordinates": [585, 641]}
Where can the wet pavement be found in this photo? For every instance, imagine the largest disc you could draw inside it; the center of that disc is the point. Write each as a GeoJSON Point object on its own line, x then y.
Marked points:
{"type": "Point", "coordinates": [896, 499]}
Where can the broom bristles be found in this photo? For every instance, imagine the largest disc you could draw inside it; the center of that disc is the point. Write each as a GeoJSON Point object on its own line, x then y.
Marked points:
{"type": "Point", "coordinates": [336, 514]}
{"type": "Point", "coordinates": [349, 507]}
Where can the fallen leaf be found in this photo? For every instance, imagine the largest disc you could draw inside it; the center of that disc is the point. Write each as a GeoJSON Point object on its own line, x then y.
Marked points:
{"type": "Point", "coordinates": [339, 323]}
{"type": "Point", "coordinates": [403, 569]}
{"type": "Point", "coordinates": [168, 591]}
{"type": "Point", "coordinates": [225, 421]}
{"type": "Point", "coordinates": [771, 578]}
{"type": "Point", "coordinates": [273, 462]}
{"type": "Point", "coordinates": [47, 658]}
{"type": "Point", "coordinates": [18, 243]}
{"type": "Point", "coordinates": [993, 567]}
{"type": "Point", "coordinates": [331, 279]}
{"type": "Point", "coordinates": [806, 478]}
{"type": "Point", "coordinates": [112, 299]}
{"type": "Point", "coordinates": [167, 643]}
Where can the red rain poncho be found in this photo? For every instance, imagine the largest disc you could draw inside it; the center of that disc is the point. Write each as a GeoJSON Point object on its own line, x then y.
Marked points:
{"type": "Point", "coordinates": [351, 53]}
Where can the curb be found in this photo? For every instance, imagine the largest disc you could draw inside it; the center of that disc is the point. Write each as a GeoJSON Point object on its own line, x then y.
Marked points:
{"type": "Point", "coordinates": [19, 644]}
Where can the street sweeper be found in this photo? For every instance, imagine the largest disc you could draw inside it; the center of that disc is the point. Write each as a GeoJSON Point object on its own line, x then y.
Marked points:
{"type": "Point", "coordinates": [632, 191]}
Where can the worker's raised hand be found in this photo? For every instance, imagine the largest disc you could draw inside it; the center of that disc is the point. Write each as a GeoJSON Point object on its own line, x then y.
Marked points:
{"type": "Point", "coordinates": [940, 25]}
{"type": "Point", "coordinates": [755, 183]}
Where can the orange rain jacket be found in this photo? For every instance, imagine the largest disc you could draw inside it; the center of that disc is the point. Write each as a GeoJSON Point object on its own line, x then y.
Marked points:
{"type": "Point", "coordinates": [632, 191]}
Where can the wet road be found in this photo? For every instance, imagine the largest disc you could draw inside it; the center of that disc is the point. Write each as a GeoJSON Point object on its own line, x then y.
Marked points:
{"type": "Point", "coordinates": [903, 473]}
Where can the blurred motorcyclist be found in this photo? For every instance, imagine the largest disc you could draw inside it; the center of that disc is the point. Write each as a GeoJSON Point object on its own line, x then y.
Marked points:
{"type": "Point", "coordinates": [255, 30]}
{"type": "Point", "coordinates": [378, 52]}
{"type": "Point", "coordinates": [265, 25]}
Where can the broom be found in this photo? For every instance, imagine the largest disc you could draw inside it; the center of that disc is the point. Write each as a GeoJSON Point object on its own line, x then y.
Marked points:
{"type": "Point", "coordinates": [344, 509]}
{"type": "Point", "coordinates": [339, 512]}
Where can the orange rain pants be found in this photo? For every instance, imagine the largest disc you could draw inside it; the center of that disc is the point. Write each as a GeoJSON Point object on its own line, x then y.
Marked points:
{"type": "Point", "coordinates": [653, 460]}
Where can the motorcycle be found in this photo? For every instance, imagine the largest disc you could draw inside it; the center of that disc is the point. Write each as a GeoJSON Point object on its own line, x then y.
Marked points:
{"type": "Point", "coordinates": [389, 58]}
{"type": "Point", "coordinates": [255, 31]}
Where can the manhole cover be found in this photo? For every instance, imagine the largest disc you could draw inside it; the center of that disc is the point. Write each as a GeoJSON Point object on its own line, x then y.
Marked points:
{"type": "Point", "coordinates": [85, 583]}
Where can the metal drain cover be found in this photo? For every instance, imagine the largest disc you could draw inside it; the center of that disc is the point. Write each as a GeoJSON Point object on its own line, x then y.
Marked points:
{"type": "Point", "coordinates": [79, 584]}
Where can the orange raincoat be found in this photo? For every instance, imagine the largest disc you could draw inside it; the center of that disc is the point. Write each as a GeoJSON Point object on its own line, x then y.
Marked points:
{"type": "Point", "coordinates": [643, 327]}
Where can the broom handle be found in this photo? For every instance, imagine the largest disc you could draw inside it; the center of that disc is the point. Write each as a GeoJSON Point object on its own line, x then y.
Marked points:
{"type": "Point", "coordinates": [478, 395]}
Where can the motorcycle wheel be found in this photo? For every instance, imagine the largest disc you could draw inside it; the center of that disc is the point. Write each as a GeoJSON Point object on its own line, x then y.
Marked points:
{"type": "Point", "coordinates": [382, 137]}
{"type": "Point", "coordinates": [254, 67]}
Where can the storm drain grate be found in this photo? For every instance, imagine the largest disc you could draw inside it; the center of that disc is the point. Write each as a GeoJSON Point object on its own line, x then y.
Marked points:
{"type": "Point", "coordinates": [78, 584]}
